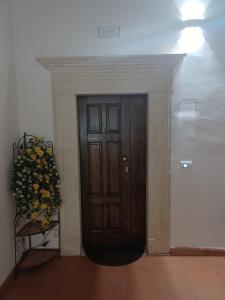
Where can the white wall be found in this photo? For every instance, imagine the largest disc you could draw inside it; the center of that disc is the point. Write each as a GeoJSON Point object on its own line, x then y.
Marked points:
{"type": "Point", "coordinates": [69, 28]}
{"type": "Point", "coordinates": [8, 132]}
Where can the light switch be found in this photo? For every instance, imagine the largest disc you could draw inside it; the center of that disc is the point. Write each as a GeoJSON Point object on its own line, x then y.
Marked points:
{"type": "Point", "coordinates": [186, 164]}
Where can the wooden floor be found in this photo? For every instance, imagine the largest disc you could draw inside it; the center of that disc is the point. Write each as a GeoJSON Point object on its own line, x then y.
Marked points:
{"type": "Point", "coordinates": [150, 278]}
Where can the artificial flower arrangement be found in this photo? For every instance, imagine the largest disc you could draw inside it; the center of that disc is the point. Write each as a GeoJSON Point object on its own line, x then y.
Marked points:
{"type": "Point", "coordinates": [36, 182]}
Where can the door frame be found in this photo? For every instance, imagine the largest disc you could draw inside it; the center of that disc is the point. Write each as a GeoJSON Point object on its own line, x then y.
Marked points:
{"type": "Point", "coordinates": [152, 75]}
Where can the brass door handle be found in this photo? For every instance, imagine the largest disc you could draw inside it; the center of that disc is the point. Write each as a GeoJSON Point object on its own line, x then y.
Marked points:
{"type": "Point", "coordinates": [125, 161]}
{"type": "Point", "coordinates": [124, 158]}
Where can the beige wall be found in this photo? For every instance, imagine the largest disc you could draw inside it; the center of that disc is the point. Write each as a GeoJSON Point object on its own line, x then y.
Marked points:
{"type": "Point", "coordinates": [8, 132]}
{"type": "Point", "coordinates": [68, 28]}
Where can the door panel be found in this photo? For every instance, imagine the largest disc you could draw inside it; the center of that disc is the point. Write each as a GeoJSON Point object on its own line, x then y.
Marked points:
{"type": "Point", "coordinates": [113, 169]}
{"type": "Point", "coordinates": [94, 115]}
{"type": "Point", "coordinates": [96, 217]}
{"type": "Point", "coordinates": [95, 169]}
{"type": "Point", "coordinates": [113, 117]}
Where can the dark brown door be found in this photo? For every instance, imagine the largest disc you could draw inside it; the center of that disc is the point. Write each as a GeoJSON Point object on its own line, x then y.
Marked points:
{"type": "Point", "coordinates": [113, 170]}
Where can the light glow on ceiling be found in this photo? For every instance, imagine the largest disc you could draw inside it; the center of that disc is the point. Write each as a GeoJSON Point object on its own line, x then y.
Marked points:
{"type": "Point", "coordinates": [193, 10]}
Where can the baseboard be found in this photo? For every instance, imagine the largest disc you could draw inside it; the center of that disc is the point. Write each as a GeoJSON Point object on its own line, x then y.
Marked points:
{"type": "Point", "coordinates": [158, 247]}
{"type": "Point", "coordinates": [7, 283]}
{"type": "Point", "coordinates": [185, 251]}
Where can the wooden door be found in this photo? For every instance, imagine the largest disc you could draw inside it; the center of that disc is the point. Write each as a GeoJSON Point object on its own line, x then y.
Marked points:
{"type": "Point", "coordinates": [113, 170]}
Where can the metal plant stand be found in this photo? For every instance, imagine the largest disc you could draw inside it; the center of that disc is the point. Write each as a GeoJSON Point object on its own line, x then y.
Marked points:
{"type": "Point", "coordinates": [32, 238]}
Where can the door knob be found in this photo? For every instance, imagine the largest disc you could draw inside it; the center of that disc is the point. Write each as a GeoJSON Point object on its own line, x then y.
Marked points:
{"type": "Point", "coordinates": [124, 158]}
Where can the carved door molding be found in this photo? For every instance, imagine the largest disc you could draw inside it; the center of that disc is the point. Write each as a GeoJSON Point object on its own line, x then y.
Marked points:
{"type": "Point", "coordinates": [151, 75]}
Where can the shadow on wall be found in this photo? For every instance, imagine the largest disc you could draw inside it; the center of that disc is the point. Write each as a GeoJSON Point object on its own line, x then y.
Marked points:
{"type": "Point", "coordinates": [214, 29]}
{"type": "Point", "coordinates": [163, 34]}
{"type": "Point", "coordinates": [12, 128]}
{"type": "Point", "coordinates": [9, 131]}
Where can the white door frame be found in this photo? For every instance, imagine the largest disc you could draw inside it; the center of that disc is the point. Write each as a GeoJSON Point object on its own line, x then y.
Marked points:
{"type": "Point", "coordinates": [151, 75]}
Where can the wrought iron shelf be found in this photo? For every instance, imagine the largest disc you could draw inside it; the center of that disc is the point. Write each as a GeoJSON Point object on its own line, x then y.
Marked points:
{"type": "Point", "coordinates": [31, 252]}
{"type": "Point", "coordinates": [36, 257]}
{"type": "Point", "coordinates": [33, 228]}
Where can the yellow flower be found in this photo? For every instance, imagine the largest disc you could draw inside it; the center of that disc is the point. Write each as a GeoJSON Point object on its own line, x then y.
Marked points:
{"type": "Point", "coordinates": [29, 151]}
{"type": "Point", "coordinates": [33, 156]}
{"type": "Point", "coordinates": [38, 164]}
{"type": "Point", "coordinates": [47, 178]}
{"type": "Point", "coordinates": [39, 151]}
{"type": "Point", "coordinates": [45, 193]}
{"type": "Point", "coordinates": [44, 206]}
{"type": "Point", "coordinates": [39, 139]}
{"type": "Point", "coordinates": [49, 151]}
{"type": "Point", "coordinates": [40, 177]}
{"type": "Point", "coordinates": [36, 186]}
{"type": "Point", "coordinates": [34, 216]}
{"type": "Point", "coordinates": [45, 221]}
{"type": "Point", "coordinates": [35, 203]}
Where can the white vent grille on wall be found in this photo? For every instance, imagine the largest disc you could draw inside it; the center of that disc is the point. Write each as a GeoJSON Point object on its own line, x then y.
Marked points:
{"type": "Point", "coordinates": [108, 32]}
{"type": "Point", "coordinates": [187, 109]}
